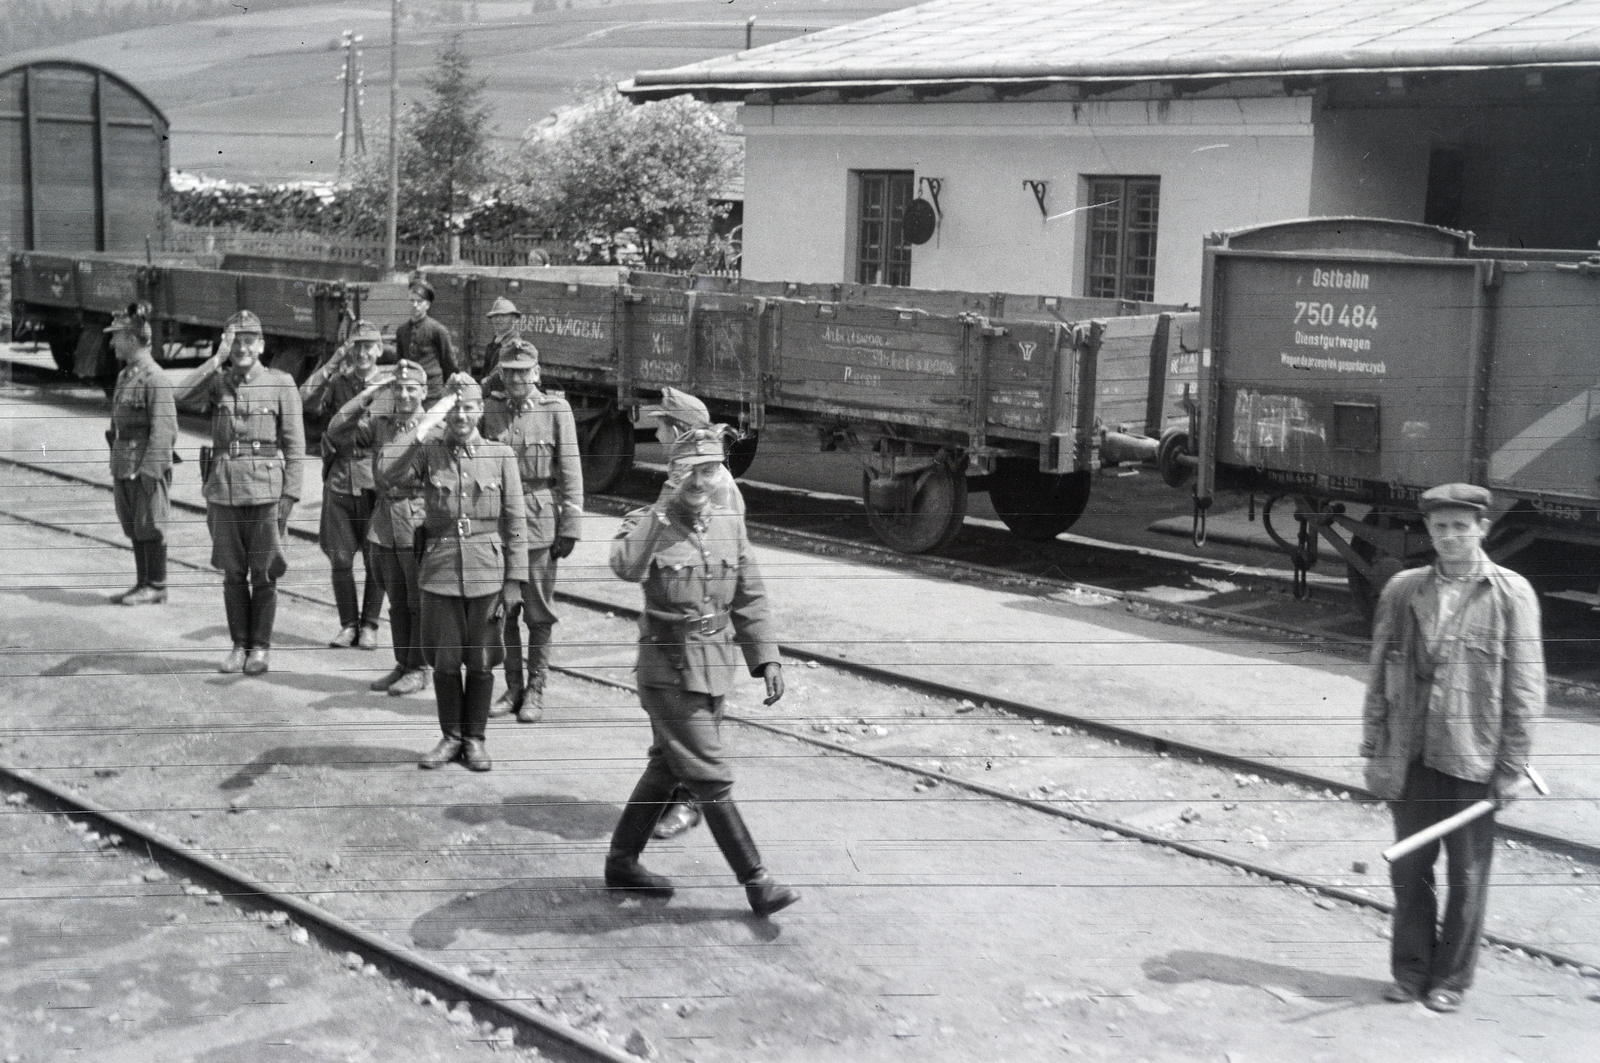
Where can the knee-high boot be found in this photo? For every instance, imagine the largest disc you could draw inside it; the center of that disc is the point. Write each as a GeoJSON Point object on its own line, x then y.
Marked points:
{"type": "Point", "coordinates": [263, 612]}
{"type": "Point", "coordinates": [236, 601]}
{"type": "Point", "coordinates": [447, 694]}
{"type": "Point", "coordinates": [475, 720]}
{"type": "Point", "coordinates": [739, 849]}
{"type": "Point", "coordinates": [155, 561]}
{"type": "Point", "coordinates": [623, 871]}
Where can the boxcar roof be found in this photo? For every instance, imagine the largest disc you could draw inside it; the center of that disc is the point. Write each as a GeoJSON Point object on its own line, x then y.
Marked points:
{"type": "Point", "coordinates": [988, 41]}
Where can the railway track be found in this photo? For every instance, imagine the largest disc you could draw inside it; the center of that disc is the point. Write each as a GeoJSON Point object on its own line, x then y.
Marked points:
{"type": "Point", "coordinates": [1132, 740]}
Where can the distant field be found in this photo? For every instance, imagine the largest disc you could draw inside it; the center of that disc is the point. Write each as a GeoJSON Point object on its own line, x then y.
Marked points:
{"type": "Point", "coordinates": [256, 97]}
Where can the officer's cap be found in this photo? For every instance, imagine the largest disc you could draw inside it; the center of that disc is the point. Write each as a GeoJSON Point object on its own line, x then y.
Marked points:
{"type": "Point", "coordinates": [503, 305]}
{"type": "Point", "coordinates": [407, 370]}
{"type": "Point", "coordinates": [366, 332]}
{"type": "Point", "coordinates": [1456, 496]}
{"type": "Point", "coordinates": [135, 317]}
{"type": "Point", "coordinates": [679, 406]}
{"type": "Point", "coordinates": [422, 288]}
{"type": "Point", "coordinates": [702, 446]}
{"type": "Point", "coordinates": [464, 388]}
{"type": "Point", "coordinates": [245, 321]}
{"type": "Point", "coordinates": [519, 354]}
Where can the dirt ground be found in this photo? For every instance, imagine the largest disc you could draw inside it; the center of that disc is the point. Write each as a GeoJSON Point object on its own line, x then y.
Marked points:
{"type": "Point", "coordinates": [936, 925]}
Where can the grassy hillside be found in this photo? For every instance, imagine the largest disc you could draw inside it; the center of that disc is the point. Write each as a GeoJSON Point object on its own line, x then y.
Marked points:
{"type": "Point", "coordinates": [256, 96]}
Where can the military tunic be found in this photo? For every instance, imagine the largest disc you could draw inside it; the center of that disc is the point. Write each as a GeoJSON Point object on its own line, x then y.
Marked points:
{"type": "Point", "coordinates": [144, 430]}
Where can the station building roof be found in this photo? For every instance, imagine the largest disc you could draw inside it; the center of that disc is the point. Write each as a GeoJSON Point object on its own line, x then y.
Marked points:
{"type": "Point", "coordinates": [954, 43]}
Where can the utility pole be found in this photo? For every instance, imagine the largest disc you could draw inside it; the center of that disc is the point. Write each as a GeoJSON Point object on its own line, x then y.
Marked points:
{"type": "Point", "coordinates": [394, 135]}
{"type": "Point", "coordinates": [352, 138]}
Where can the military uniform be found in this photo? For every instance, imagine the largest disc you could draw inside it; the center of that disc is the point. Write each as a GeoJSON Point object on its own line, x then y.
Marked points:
{"type": "Point", "coordinates": [144, 430]}
{"type": "Point", "coordinates": [475, 541]}
{"type": "Point", "coordinates": [704, 608]}
{"type": "Point", "coordinates": [397, 513]}
{"type": "Point", "coordinates": [541, 432]}
{"type": "Point", "coordinates": [348, 496]}
{"type": "Point", "coordinates": [427, 343]}
{"type": "Point", "coordinates": [256, 465]}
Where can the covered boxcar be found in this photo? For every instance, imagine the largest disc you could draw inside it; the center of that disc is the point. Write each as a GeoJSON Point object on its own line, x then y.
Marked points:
{"type": "Point", "coordinates": [1349, 364]}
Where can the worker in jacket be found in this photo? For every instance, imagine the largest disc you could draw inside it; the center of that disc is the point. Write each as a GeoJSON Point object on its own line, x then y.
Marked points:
{"type": "Point", "coordinates": [539, 428]}
{"type": "Point", "coordinates": [1457, 680]}
{"type": "Point", "coordinates": [252, 480]}
{"type": "Point", "coordinates": [144, 429]}
{"type": "Point", "coordinates": [504, 318]}
{"type": "Point", "coordinates": [348, 490]}
{"type": "Point", "coordinates": [423, 340]}
{"type": "Point", "coordinates": [704, 605]}
{"type": "Point", "coordinates": [474, 558]}
{"type": "Point", "coordinates": [370, 422]}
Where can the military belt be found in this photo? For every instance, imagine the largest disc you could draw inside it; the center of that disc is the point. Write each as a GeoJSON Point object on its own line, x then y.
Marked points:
{"type": "Point", "coordinates": [253, 448]}
{"type": "Point", "coordinates": [463, 528]}
{"type": "Point", "coordinates": [678, 627]}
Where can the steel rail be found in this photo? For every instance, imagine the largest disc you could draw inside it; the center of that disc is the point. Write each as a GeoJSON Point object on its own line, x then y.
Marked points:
{"type": "Point", "coordinates": [486, 1003]}
{"type": "Point", "coordinates": [1127, 736]}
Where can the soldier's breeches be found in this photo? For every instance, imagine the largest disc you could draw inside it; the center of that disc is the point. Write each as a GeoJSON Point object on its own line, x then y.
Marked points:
{"type": "Point", "coordinates": [343, 537]}
{"type": "Point", "coordinates": [458, 632]}
{"type": "Point", "coordinates": [397, 571]}
{"type": "Point", "coordinates": [539, 592]}
{"type": "Point", "coordinates": [245, 539]}
{"type": "Point", "coordinates": [142, 507]}
{"type": "Point", "coordinates": [687, 732]}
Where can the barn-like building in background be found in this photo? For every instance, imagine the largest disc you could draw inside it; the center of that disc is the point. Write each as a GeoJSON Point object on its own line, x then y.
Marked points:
{"type": "Point", "coordinates": [83, 160]}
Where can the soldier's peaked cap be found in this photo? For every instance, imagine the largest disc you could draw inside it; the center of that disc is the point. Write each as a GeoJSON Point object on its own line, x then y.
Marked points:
{"type": "Point", "coordinates": [1456, 496]}
{"type": "Point", "coordinates": [407, 370]}
{"type": "Point", "coordinates": [366, 332]}
{"type": "Point", "coordinates": [699, 447]}
{"type": "Point", "coordinates": [503, 305]}
{"type": "Point", "coordinates": [680, 406]}
{"type": "Point", "coordinates": [245, 321]}
{"type": "Point", "coordinates": [422, 288]}
{"type": "Point", "coordinates": [519, 354]}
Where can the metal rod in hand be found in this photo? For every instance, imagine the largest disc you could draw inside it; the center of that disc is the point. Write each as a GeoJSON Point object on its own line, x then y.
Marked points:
{"type": "Point", "coordinates": [1410, 844]}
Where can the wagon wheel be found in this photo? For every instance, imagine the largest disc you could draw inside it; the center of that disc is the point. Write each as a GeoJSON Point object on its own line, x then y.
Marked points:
{"type": "Point", "coordinates": [932, 517]}
{"type": "Point", "coordinates": [605, 447]}
{"type": "Point", "coordinates": [1038, 506]}
{"type": "Point", "coordinates": [741, 452]}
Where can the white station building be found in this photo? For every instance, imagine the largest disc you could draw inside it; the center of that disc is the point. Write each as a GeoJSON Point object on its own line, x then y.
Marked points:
{"type": "Point", "coordinates": [1086, 147]}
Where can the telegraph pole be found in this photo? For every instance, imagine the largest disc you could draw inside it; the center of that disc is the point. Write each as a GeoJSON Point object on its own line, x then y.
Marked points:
{"type": "Point", "coordinates": [352, 137]}
{"type": "Point", "coordinates": [394, 134]}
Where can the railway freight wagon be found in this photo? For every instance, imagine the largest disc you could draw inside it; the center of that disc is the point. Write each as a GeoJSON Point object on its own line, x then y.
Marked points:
{"type": "Point", "coordinates": [941, 392]}
{"type": "Point", "coordinates": [1349, 364]}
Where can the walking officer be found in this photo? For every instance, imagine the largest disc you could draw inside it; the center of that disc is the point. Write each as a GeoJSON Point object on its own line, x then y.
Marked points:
{"type": "Point", "coordinates": [252, 481]}
{"type": "Point", "coordinates": [1457, 680]}
{"type": "Point", "coordinates": [144, 429]}
{"type": "Point", "coordinates": [539, 429]}
{"type": "Point", "coordinates": [503, 317]}
{"type": "Point", "coordinates": [369, 422]}
{"type": "Point", "coordinates": [703, 603]}
{"type": "Point", "coordinates": [348, 490]}
{"type": "Point", "coordinates": [474, 558]}
{"type": "Point", "coordinates": [423, 340]}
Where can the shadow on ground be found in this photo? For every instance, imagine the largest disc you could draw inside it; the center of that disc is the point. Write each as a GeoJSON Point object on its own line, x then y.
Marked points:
{"type": "Point", "coordinates": [342, 758]}
{"type": "Point", "coordinates": [558, 814]}
{"type": "Point", "coordinates": [1186, 966]}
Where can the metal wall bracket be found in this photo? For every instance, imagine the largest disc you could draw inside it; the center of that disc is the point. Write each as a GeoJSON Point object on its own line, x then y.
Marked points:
{"type": "Point", "coordinates": [1040, 189]}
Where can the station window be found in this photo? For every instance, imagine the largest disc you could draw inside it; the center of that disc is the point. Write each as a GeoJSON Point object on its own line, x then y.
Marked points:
{"type": "Point", "coordinates": [882, 254]}
{"type": "Point", "coordinates": [1123, 214]}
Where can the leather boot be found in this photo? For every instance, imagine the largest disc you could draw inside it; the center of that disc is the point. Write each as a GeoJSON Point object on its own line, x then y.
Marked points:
{"type": "Point", "coordinates": [263, 611]}
{"type": "Point", "coordinates": [155, 560]}
{"type": "Point", "coordinates": [739, 849]}
{"type": "Point", "coordinates": [141, 569]}
{"type": "Point", "coordinates": [632, 834]}
{"type": "Point", "coordinates": [475, 720]}
{"type": "Point", "coordinates": [447, 693]}
{"type": "Point", "coordinates": [532, 708]}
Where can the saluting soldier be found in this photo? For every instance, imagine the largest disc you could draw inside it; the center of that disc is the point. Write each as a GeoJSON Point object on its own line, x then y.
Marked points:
{"type": "Point", "coordinates": [144, 429]}
{"type": "Point", "coordinates": [252, 481]}
{"type": "Point", "coordinates": [369, 422]}
{"type": "Point", "coordinates": [677, 413]}
{"type": "Point", "coordinates": [503, 317]}
{"type": "Point", "coordinates": [349, 492]}
{"type": "Point", "coordinates": [539, 428]}
{"type": "Point", "coordinates": [474, 559]}
{"type": "Point", "coordinates": [426, 342]}
{"type": "Point", "coordinates": [704, 602]}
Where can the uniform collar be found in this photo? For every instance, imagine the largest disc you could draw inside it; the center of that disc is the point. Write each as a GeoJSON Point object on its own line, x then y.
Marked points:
{"type": "Point", "coordinates": [470, 447]}
{"type": "Point", "coordinates": [535, 398]}
{"type": "Point", "coordinates": [250, 375]}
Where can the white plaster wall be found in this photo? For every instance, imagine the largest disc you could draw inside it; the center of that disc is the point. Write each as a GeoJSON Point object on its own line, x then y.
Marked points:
{"type": "Point", "coordinates": [1222, 164]}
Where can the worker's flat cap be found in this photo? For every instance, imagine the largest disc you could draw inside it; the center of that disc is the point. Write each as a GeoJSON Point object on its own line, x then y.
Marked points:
{"type": "Point", "coordinates": [422, 288]}
{"type": "Point", "coordinates": [503, 305]}
{"type": "Point", "coordinates": [1457, 496]}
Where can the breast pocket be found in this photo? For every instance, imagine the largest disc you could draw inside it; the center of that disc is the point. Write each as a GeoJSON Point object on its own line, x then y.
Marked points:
{"type": "Point", "coordinates": [263, 422]}
{"type": "Point", "coordinates": [537, 460]}
{"type": "Point", "coordinates": [486, 495]}
{"type": "Point", "coordinates": [676, 573]}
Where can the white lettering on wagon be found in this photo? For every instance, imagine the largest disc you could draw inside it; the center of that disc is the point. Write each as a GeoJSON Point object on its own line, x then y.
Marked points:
{"type": "Point", "coordinates": [1340, 278]}
{"type": "Point", "coordinates": [574, 327]}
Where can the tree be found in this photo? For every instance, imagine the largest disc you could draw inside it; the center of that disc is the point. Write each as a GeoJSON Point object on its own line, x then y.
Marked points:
{"type": "Point", "coordinates": [656, 169]}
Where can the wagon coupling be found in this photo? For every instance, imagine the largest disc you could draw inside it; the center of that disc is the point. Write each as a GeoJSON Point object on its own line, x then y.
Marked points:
{"type": "Point", "coordinates": [1303, 554]}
